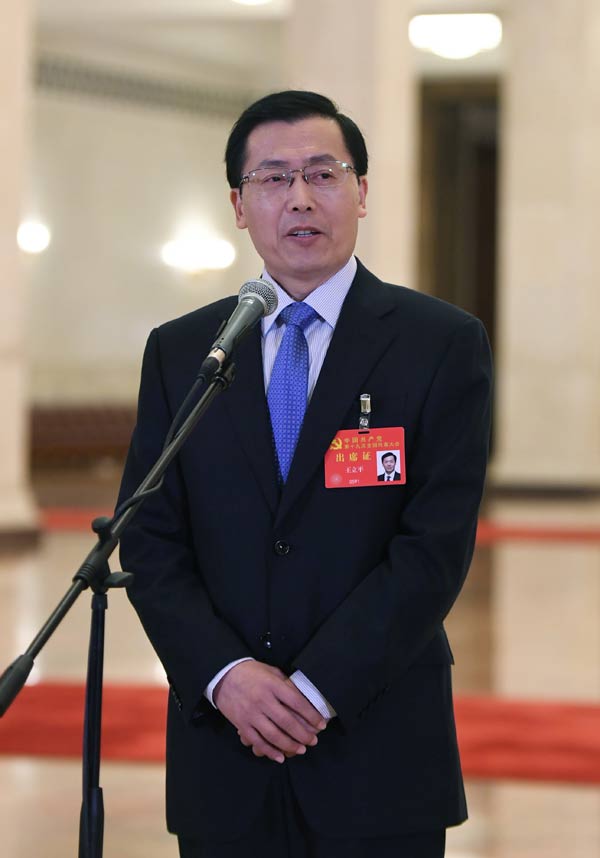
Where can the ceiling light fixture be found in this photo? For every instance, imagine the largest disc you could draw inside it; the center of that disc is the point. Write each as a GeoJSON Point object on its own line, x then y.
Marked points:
{"type": "Point", "coordinates": [252, 2]}
{"type": "Point", "coordinates": [456, 36]}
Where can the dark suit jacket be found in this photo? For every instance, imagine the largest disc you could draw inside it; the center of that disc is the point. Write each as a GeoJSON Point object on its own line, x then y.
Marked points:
{"type": "Point", "coordinates": [351, 584]}
{"type": "Point", "coordinates": [381, 477]}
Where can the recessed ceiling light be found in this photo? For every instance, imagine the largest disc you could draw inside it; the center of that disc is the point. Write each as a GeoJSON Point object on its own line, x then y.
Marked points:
{"type": "Point", "coordinates": [456, 36]}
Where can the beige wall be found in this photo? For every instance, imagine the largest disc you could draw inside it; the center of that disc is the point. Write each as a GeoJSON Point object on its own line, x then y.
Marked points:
{"type": "Point", "coordinates": [16, 508]}
{"type": "Point", "coordinates": [115, 182]}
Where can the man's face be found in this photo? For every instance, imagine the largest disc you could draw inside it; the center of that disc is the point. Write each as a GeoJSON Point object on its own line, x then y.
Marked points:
{"type": "Point", "coordinates": [389, 464]}
{"type": "Point", "coordinates": [300, 263]}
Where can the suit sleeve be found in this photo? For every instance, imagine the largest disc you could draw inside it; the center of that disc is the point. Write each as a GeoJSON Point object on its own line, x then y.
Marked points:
{"type": "Point", "coordinates": [168, 593]}
{"type": "Point", "coordinates": [383, 625]}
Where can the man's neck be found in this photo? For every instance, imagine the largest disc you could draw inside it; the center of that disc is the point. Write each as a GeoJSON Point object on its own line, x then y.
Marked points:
{"type": "Point", "coordinates": [301, 288]}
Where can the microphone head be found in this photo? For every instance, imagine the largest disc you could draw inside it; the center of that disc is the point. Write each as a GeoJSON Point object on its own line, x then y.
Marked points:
{"type": "Point", "coordinates": [263, 290]}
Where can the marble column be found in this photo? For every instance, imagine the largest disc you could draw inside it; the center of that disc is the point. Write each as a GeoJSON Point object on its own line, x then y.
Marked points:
{"type": "Point", "coordinates": [358, 54]}
{"type": "Point", "coordinates": [17, 511]}
{"type": "Point", "coordinates": [548, 403]}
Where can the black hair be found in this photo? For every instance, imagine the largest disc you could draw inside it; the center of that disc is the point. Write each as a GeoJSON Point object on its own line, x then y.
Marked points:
{"type": "Point", "coordinates": [389, 453]}
{"type": "Point", "coordinates": [291, 105]}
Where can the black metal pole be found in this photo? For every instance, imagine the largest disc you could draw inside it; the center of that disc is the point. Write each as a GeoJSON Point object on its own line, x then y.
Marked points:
{"type": "Point", "coordinates": [91, 821]}
{"type": "Point", "coordinates": [95, 573]}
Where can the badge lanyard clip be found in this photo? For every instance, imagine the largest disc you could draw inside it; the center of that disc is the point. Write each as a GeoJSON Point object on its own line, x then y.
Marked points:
{"type": "Point", "coordinates": [364, 422]}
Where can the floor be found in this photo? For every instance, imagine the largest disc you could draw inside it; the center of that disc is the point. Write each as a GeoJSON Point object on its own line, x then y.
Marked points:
{"type": "Point", "coordinates": [525, 626]}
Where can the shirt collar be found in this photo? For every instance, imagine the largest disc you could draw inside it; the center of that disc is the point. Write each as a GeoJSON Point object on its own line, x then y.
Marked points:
{"type": "Point", "coordinates": [326, 299]}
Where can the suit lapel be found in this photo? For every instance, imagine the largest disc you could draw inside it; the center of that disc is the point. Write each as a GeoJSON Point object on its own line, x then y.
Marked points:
{"type": "Point", "coordinates": [247, 406]}
{"type": "Point", "coordinates": [362, 334]}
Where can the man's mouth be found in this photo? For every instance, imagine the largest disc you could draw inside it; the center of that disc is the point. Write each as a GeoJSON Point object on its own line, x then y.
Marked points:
{"type": "Point", "coordinates": [303, 233]}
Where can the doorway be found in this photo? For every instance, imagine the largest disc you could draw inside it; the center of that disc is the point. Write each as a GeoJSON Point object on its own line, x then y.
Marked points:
{"type": "Point", "coordinates": [458, 183]}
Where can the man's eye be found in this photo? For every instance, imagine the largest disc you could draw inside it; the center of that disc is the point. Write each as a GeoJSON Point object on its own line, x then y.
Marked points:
{"type": "Point", "coordinates": [272, 179]}
{"type": "Point", "coordinates": [321, 177]}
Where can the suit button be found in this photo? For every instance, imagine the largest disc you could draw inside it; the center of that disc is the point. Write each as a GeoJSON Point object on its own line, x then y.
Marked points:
{"type": "Point", "coordinates": [282, 548]}
{"type": "Point", "coordinates": [266, 640]}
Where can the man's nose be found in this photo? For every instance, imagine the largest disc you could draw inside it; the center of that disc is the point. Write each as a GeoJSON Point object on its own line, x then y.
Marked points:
{"type": "Point", "coordinates": [299, 194]}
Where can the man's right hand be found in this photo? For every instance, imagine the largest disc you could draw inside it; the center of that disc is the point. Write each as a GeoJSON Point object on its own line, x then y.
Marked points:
{"type": "Point", "coordinates": [271, 715]}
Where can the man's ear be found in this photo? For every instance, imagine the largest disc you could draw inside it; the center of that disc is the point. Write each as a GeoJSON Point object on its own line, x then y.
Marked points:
{"type": "Point", "coordinates": [363, 187]}
{"type": "Point", "coordinates": [235, 196]}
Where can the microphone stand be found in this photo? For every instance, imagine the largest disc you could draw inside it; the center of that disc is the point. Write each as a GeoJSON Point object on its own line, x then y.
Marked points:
{"type": "Point", "coordinates": [95, 573]}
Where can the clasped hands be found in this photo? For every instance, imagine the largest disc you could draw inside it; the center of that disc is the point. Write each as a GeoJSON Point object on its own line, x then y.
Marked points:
{"type": "Point", "coordinates": [270, 714]}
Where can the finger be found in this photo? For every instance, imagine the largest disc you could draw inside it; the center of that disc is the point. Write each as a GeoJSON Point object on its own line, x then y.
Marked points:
{"type": "Point", "coordinates": [298, 703]}
{"type": "Point", "coordinates": [281, 728]}
{"type": "Point", "coordinates": [294, 725]}
{"type": "Point", "coordinates": [308, 727]}
{"type": "Point", "coordinates": [262, 748]}
{"type": "Point", "coordinates": [276, 737]}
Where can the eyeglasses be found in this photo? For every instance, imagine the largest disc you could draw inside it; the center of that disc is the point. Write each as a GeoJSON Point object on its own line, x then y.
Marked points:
{"type": "Point", "coordinates": [272, 180]}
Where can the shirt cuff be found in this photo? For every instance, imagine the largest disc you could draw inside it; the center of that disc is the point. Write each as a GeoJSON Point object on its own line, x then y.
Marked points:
{"type": "Point", "coordinates": [208, 691]}
{"type": "Point", "coordinates": [313, 694]}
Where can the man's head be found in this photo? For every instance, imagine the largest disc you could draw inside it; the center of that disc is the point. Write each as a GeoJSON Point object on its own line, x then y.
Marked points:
{"type": "Point", "coordinates": [388, 460]}
{"type": "Point", "coordinates": [305, 231]}
{"type": "Point", "coordinates": [290, 106]}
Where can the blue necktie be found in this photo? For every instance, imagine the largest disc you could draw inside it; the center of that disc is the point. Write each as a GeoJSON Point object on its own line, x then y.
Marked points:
{"type": "Point", "coordinates": [288, 387]}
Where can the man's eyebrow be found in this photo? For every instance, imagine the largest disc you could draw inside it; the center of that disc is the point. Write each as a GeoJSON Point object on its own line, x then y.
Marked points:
{"type": "Point", "coordinates": [314, 159]}
{"type": "Point", "coordinates": [272, 162]}
{"type": "Point", "coordinates": [318, 159]}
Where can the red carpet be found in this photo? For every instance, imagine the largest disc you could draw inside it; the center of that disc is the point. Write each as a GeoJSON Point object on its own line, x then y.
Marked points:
{"type": "Point", "coordinates": [488, 533]}
{"type": "Point", "coordinates": [529, 740]}
{"type": "Point", "coordinates": [46, 720]}
{"type": "Point", "coordinates": [498, 738]}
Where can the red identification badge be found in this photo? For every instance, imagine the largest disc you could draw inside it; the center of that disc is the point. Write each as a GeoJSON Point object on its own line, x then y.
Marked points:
{"type": "Point", "coordinates": [374, 458]}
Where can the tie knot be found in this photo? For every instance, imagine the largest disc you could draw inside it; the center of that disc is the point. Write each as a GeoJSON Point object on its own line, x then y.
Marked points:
{"type": "Point", "coordinates": [299, 314]}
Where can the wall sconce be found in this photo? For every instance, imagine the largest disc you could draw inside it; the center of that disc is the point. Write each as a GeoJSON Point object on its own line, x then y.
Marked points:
{"type": "Point", "coordinates": [33, 236]}
{"type": "Point", "coordinates": [194, 251]}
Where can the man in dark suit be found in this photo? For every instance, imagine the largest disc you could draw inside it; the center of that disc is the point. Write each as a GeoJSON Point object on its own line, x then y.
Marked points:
{"type": "Point", "coordinates": [310, 713]}
{"type": "Point", "coordinates": [390, 474]}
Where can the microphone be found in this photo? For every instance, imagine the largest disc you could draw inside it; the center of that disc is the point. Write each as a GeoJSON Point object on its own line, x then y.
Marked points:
{"type": "Point", "coordinates": [257, 298]}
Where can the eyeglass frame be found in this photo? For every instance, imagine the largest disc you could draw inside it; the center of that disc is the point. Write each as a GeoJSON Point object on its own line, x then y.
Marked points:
{"type": "Point", "coordinates": [287, 173]}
